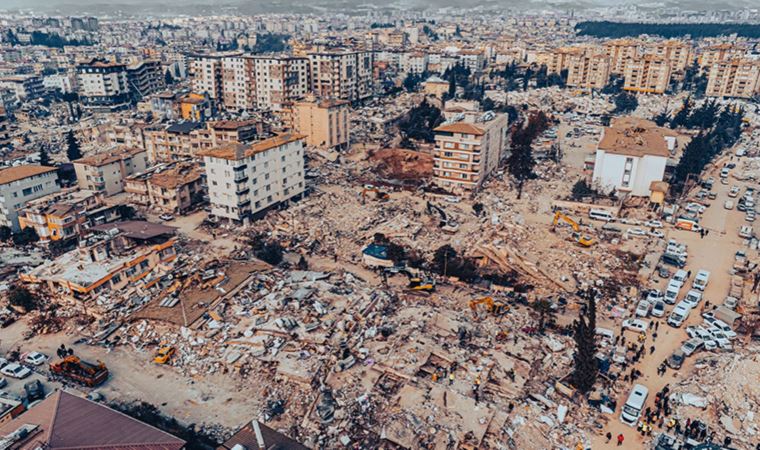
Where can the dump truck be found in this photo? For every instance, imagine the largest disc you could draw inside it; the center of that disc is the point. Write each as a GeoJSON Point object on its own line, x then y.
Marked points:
{"type": "Point", "coordinates": [82, 372]}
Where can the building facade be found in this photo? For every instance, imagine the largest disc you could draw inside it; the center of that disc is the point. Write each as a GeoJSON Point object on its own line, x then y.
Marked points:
{"type": "Point", "coordinates": [324, 122]}
{"type": "Point", "coordinates": [647, 74]}
{"type": "Point", "coordinates": [468, 151]}
{"type": "Point", "coordinates": [145, 78]}
{"type": "Point", "coordinates": [588, 71]}
{"type": "Point", "coordinates": [172, 188]}
{"type": "Point", "coordinates": [738, 78]}
{"type": "Point", "coordinates": [246, 179]}
{"type": "Point", "coordinates": [105, 172]}
{"type": "Point", "coordinates": [21, 184]}
{"type": "Point", "coordinates": [345, 75]}
{"type": "Point", "coordinates": [103, 86]}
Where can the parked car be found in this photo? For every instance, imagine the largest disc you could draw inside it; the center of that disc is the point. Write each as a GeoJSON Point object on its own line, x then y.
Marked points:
{"type": "Point", "coordinates": [693, 297]}
{"type": "Point", "coordinates": [654, 295]}
{"type": "Point", "coordinates": [3, 382]}
{"type": "Point", "coordinates": [16, 370]}
{"type": "Point", "coordinates": [35, 358]}
{"type": "Point", "coordinates": [34, 390]}
{"type": "Point", "coordinates": [729, 204]}
{"type": "Point", "coordinates": [636, 325]}
{"type": "Point", "coordinates": [642, 310]}
{"type": "Point", "coordinates": [720, 339]}
{"type": "Point", "coordinates": [698, 332]}
{"type": "Point", "coordinates": [719, 325]}
{"type": "Point", "coordinates": [680, 277]}
{"type": "Point", "coordinates": [658, 308]}
{"type": "Point", "coordinates": [701, 280]}
{"type": "Point", "coordinates": [679, 314]}
{"type": "Point", "coordinates": [691, 346]}
{"type": "Point", "coordinates": [731, 302]}
{"type": "Point", "coordinates": [675, 361]}
{"type": "Point", "coordinates": [734, 192]}
{"type": "Point", "coordinates": [656, 234]}
{"type": "Point", "coordinates": [636, 231]}
{"type": "Point", "coordinates": [695, 208]}
{"type": "Point", "coordinates": [166, 217]}
{"type": "Point", "coordinates": [653, 224]}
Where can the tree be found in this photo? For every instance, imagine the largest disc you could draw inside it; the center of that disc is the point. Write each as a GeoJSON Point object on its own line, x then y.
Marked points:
{"type": "Point", "coordinates": [5, 233]}
{"type": "Point", "coordinates": [44, 156]}
{"type": "Point", "coordinates": [420, 121]}
{"type": "Point", "coordinates": [545, 310]}
{"type": "Point", "coordinates": [605, 119]}
{"type": "Point", "coordinates": [168, 78]}
{"type": "Point", "coordinates": [682, 116]}
{"type": "Point", "coordinates": [73, 149]}
{"type": "Point", "coordinates": [625, 102]}
{"type": "Point", "coordinates": [25, 237]}
{"type": "Point", "coordinates": [662, 118]}
{"type": "Point", "coordinates": [477, 208]}
{"type": "Point", "coordinates": [22, 297]}
{"type": "Point", "coordinates": [586, 369]}
{"type": "Point", "coordinates": [614, 85]}
{"type": "Point", "coordinates": [447, 262]}
{"type": "Point", "coordinates": [520, 162]}
{"type": "Point", "coordinates": [582, 189]}
{"type": "Point", "coordinates": [126, 212]}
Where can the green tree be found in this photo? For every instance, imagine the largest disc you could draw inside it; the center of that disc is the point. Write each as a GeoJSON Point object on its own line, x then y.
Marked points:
{"type": "Point", "coordinates": [546, 313]}
{"type": "Point", "coordinates": [168, 78]}
{"type": "Point", "coordinates": [22, 297]}
{"type": "Point", "coordinates": [586, 369]}
{"type": "Point", "coordinates": [25, 237]}
{"type": "Point", "coordinates": [73, 149]}
{"type": "Point", "coordinates": [5, 233]}
{"type": "Point", "coordinates": [681, 118]}
{"type": "Point", "coordinates": [582, 189]}
{"type": "Point", "coordinates": [625, 102]}
{"type": "Point", "coordinates": [44, 156]}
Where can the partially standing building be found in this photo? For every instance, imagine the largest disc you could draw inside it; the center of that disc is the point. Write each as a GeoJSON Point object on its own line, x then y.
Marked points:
{"type": "Point", "coordinates": [103, 85]}
{"type": "Point", "coordinates": [105, 172]}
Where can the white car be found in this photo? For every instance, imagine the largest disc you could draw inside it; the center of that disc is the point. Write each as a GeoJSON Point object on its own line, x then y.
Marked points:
{"type": "Point", "coordinates": [636, 231]}
{"type": "Point", "coordinates": [629, 221]}
{"type": "Point", "coordinates": [3, 362]}
{"type": "Point", "coordinates": [692, 345]}
{"type": "Point", "coordinates": [656, 233]}
{"type": "Point", "coordinates": [642, 310]}
{"type": "Point", "coordinates": [698, 332]}
{"type": "Point", "coordinates": [695, 208]}
{"type": "Point", "coordinates": [35, 358]}
{"type": "Point", "coordinates": [636, 325]}
{"type": "Point", "coordinates": [729, 204]}
{"type": "Point", "coordinates": [16, 370]}
{"type": "Point", "coordinates": [693, 297]}
{"type": "Point", "coordinates": [721, 339]}
{"type": "Point", "coordinates": [750, 217]}
{"type": "Point", "coordinates": [658, 308]}
{"type": "Point", "coordinates": [653, 224]}
{"type": "Point", "coordinates": [701, 280]}
{"type": "Point", "coordinates": [734, 192]}
{"type": "Point", "coordinates": [166, 217]}
{"type": "Point", "coordinates": [723, 327]}
{"type": "Point", "coordinates": [654, 295]}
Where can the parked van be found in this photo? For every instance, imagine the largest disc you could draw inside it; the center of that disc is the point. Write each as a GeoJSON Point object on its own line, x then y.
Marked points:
{"type": "Point", "coordinates": [633, 406]}
{"type": "Point", "coordinates": [671, 293]}
{"type": "Point", "coordinates": [687, 224]}
{"type": "Point", "coordinates": [674, 260]}
{"type": "Point", "coordinates": [746, 231]}
{"type": "Point", "coordinates": [601, 214]}
{"type": "Point", "coordinates": [679, 315]}
{"type": "Point", "coordinates": [681, 276]}
{"type": "Point", "coordinates": [701, 280]}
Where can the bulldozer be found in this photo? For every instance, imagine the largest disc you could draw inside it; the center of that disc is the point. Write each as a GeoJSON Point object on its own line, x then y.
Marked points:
{"type": "Point", "coordinates": [494, 307]}
{"type": "Point", "coordinates": [74, 369]}
{"type": "Point", "coordinates": [581, 239]}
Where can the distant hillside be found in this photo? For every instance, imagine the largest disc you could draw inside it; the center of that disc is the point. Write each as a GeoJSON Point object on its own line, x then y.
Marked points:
{"type": "Point", "coordinates": [666, 30]}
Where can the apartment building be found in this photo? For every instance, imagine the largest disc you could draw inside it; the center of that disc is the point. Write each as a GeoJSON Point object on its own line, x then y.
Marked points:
{"type": "Point", "coordinates": [206, 74]}
{"type": "Point", "coordinates": [169, 188]}
{"type": "Point", "coordinates": [25, 87]}
{"type": "Point", "coordinates": [120, 255]}
{"type": "Point", "coordinates": [323, 122]}
{"type": "Point", "coordinates": [621, 51]}
{"type": "Point", "coordinates": [184, 140]}
{"type": "Point", "coordinates": [468, 151]}
{"type": "Point", "coordinates": [67, 214]}
{"type": "Point", "coordinates": [413, 62]}
{"type": "Point", "coordinates": [435, 86]}
{"type": "Point", "coordinates": [5, 129]}
{"type": "Point", "coordinates": [345, 75]}
{"type": "Point", "coordinates": [738, 78]}
{"type": "Point", "coordinates": [145, 78]}
{"type": "Point", "coordinates": [103, 85]}
{"type": "Point", "coordinates": [21, 184]}
{"type": "Point", "coordinates": [587, 71]}
{"type": "Point", "coordinates": [718, 53]}
{"type": "Point", "coordinates": [105, 172]}
{"type": "Point", "coordinates": [679, 54]}
{"type": "Point", "coordinates": [279, 80]}
{"type": "Point", "coordinates": [245, 180]}
{"type": "Point", "coordinates": [474, 60]}
{"type": "Point", "coordinates": [559, 59]}
{"type": "Point", "coordinates": [238, 85]}
{"type": "Point", "coordinates": [648, 73]}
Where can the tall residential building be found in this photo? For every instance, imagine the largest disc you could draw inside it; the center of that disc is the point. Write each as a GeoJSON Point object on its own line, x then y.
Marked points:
{"type": "Point", "coordinates": [25, 87]}
{"type": "Point", "coordinates": [145, 78]}
{"type": "Point", "coordinates": [588, 71]}
{"type": "Point", "coordinates": [559, 59]}
{"type": "Point", "coordinates": [206, 74]}
{"type": "Point", "coordinates": [279, 80]}
{"type": "Point", "coordinates": [5, 129]}
{"type": "Point", "coordinates": [648, 73]}
{"type": "Point", "coordinates": [184, 140]}
{"type": "Point", "coordinates": [245, 180]}
{"type": "Point", "coordinates": [679, 54]}
{"type": "Point", "coordinates": [105, 172]}
{"type": "Point", "coordinates": [346, 75]}
{"type": "Point", "coordinates": [717, 53]}
{"type": "Point", "coordinates": [621, 51]}
{"type": "Point", "coordinates": [468, 151]}
{"type": "Point", "coordinates": [323, 122]}
{"type": "Point", "coordinates": [21, 184]}
{"type": "Point", "coordinates": [736, 78]}
{"type": "Point", "coordinates": [103, 85]}
{"type": "Point", "coordinates": [238, 86]}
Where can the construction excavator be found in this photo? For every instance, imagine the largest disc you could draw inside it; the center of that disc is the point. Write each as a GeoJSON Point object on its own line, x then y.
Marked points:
{"type": "Point", "coordinates": [494, 307]}
{"type": "Point", "coordinates": [74, 369]}
{"type": "Point", "coordinates": [373, 192]}
{"type": "Point", "coordinates": [416, 281]}
{"type": "Point", "coordinates": [581, 239]}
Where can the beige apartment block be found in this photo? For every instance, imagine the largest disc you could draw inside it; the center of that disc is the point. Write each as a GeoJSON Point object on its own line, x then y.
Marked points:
{"type": "Point", "coordinates": [739, 78]}
{"type": "Point", "coordinates": [621, 51]}
{"type": "Point", "coordinates": [679, 54]}
{"type": "Point", "coordinates": [184, 140]}
{"type": "Point", "coordinates": [278, 80]}
{"type": "Point", "coordinates": [468, 151]}
{"type": "Point", "coordinates": [559, 59]}
{"type": "Point", "coordinates": [105, 172]}
{"type": "Point", "coordinates": [588, 71]}
{"type": "Point", "coordinates": [346, 75]}
{"type": "Point", "coordinates": [170, 188]}
{"type": "Point", "coordinates": [718, 53]}
{"type": "Point", "coordinates": [648, 74]}
{"type": "Point", "coordinates": [323, 122]}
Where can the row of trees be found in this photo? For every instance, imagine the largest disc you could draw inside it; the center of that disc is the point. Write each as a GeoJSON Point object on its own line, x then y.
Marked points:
{"type": "Point", "coordinates": [73, 150]}
{"type": "Point", "coordinates": [607, 29]}
{"type": "Point", "coordinates": [521, 162]}
{"type": "Point", "coordinates": [724, 132]}
{"type": "Point", "coordinates": [47, 39]}
{"type": "Point", "coordinates": [517, 77]}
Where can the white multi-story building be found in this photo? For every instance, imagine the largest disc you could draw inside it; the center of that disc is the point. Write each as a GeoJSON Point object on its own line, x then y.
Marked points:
{"type": "Point", "coordinates": [238, 87]}
{"type": "Point", "coordinates": [245, 180]}
{"type": "Point", "coordinates": [279, 79]}
{"type": "Point", "coordinates": [21, 184]}
{"type": "Point", "coordinates": [103, 85]}
{"type": "Point", "coordinates": [631, 154]}
{"type": "Point", "coordinates": [414, 62]}
{"type": "Point", "coordinates": [206, 73]}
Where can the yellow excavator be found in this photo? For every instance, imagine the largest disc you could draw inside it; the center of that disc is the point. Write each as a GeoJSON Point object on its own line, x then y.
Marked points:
{"type": "Point", "coordinates": [584, 240]}
{"type": "Point", "coordinates": [494, 307]}
{"type": "Point", "coordinates": [373, 192]}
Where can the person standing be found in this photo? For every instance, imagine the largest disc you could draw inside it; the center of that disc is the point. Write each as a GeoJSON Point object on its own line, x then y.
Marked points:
{"type": "Point", "coordinates": [620, 439]}
{"type": "Point", "coordinates": [609, 436]}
